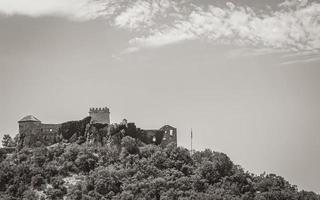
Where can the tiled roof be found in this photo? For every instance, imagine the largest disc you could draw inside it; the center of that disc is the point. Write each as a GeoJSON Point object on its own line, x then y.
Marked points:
{"type": "Point", "coordinates": [29, 118]}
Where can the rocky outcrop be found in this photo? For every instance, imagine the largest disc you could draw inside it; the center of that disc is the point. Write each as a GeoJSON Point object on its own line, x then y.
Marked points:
{"type": "Point", "coordinates": [97, 134]}
{"type": "Point", "coordinates": [72, 130]}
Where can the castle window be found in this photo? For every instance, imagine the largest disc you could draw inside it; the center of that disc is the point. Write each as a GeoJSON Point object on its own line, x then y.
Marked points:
{"type": "Point", "coordinates": [171, 132]}
{"type": "Point", "coordinates": [154, 139]}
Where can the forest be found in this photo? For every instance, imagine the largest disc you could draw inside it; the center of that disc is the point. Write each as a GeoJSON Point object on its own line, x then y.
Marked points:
{"type": "Point", "coordinates": [133, 170]}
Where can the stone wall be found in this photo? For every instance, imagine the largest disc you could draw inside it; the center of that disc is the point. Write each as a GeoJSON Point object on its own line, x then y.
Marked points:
{"type": "Point", "coordinates": [35, 134]}
{"type": "Point", "coordinates": [50, 128]}
{"type": "Point", "coordinates": [170, 135]}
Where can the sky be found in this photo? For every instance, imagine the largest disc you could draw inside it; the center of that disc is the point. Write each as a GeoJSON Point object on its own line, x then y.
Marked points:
{"type": "Point", "coordinates": [244, 75]}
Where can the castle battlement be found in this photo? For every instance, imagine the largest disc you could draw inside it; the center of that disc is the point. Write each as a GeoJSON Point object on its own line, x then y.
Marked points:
{"type": "Point", "coordinates": [97, 110]}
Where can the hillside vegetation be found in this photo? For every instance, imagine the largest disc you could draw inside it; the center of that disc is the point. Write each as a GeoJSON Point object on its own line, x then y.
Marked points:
{"type": "Point", "coordinates": [133, 170]}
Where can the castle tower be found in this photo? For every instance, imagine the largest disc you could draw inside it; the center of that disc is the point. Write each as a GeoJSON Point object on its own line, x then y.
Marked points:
{"type": "Point", "coordinates": [28, 123]}
{"type": "Point", "coordinates": [29, 127]}
{"type": "Point", "coordinates": [100, 115]}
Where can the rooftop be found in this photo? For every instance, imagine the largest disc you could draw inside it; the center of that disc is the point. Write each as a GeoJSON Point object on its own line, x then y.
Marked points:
{"type": "Point", "coordinates": [29, 118]}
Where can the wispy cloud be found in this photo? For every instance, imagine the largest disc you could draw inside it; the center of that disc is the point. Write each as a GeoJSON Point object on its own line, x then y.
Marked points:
{"type": "Point", "coordinates": [300, 58]}
{"type": "Point", "coordinates": [290, 28]}
{"type": "Point", "coordinates": [141, 14]}
{"type": "Point", "coordinates": [293, 26]}
{"type": "Point", "coordinates": [75, 9]}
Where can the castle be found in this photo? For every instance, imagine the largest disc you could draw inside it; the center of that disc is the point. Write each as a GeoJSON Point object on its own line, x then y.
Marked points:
{"type": "Point", "coordinates": [34, 133]}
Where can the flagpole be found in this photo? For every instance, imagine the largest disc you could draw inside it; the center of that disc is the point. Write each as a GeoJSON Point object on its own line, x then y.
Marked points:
{"type": "Point", "coordinates": [191, 141]}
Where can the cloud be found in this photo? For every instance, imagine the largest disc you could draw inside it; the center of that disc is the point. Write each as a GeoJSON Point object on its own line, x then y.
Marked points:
{"type": "Point", "coordinates": [293, 3]}
{"type": "Point", "coordinates": [164, 37]}
{"type": "Point", "coordinates": [249, 52]}
{"type": "Point", "coordinates": [293, 25]}
{"type": "Point", "coordinates": [76, 9]}
{"type": "Point", "coordinates": [140, 14]}
{"type": "Point", "coordinates": [299, 58]}
{"type": "Point", "coordinates": [295, 30]}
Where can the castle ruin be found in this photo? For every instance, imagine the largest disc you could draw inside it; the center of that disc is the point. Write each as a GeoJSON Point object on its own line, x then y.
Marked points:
{"type": "Point", "coordinates": [34, 133]}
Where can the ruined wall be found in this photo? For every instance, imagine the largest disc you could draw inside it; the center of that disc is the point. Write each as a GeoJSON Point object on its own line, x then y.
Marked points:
{"type": "Point", "coordinates": [50, 128]}
{"type": "Point", "coordinates": [36, 134]}
{"type": "Point", "coordinates": [112, 134]}
{"type": "Point", "coordinates": [164, 136]}
{"type": "Point", "coordinates": [49, 134]}
{"type": "Point", "coordinates": [151, 136]}
{"type": "Point", "coordinates": [170, 135]}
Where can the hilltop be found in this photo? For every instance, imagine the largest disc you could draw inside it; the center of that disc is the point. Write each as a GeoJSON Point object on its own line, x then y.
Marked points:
{"type": "Point", "coordinates": [134, 170]}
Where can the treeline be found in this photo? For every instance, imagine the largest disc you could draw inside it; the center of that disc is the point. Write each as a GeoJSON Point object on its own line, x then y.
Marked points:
{"type": "Point", "coordinates": [135, 171]}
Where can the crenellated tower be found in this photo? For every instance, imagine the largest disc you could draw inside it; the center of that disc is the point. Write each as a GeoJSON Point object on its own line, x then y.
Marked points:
{"type": "Point", "coordinates": [100, 115]}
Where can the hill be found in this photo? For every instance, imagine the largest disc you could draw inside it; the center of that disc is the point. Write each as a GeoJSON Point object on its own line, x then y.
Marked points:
{"type": "Point", "coordinates": [134, 170]}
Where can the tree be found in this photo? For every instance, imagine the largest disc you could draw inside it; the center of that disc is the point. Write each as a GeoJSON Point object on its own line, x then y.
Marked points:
{"type": "Point", "coordinates": [86, 161]}
{"type": "Point", "coordinates": [104, 181]}
{"type": "Point", "coordinates": [58, 190]}
{"type": "Point", "coordinates": [39, 156]}
{"type": "Point", "coordinates": [37, 181]}
{"type": "Point", "coordinates": [129, 144]}
{"type": "Point", "coordinates": [7, 141]}
{"type": "Point", "coordinates": [30, 194]}
{"type": "Point", "coordinates": [3, 155]}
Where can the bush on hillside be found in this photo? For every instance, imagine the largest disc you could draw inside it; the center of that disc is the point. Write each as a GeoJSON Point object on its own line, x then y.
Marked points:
{"type": "Point", "coordinates": [136, 171]}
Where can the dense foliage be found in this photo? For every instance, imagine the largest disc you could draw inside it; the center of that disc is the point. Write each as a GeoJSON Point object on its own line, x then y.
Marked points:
{"type": "Point", "coordinates": [135, 171]}
{"type": "Point", "coordinates": [74, 128]}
